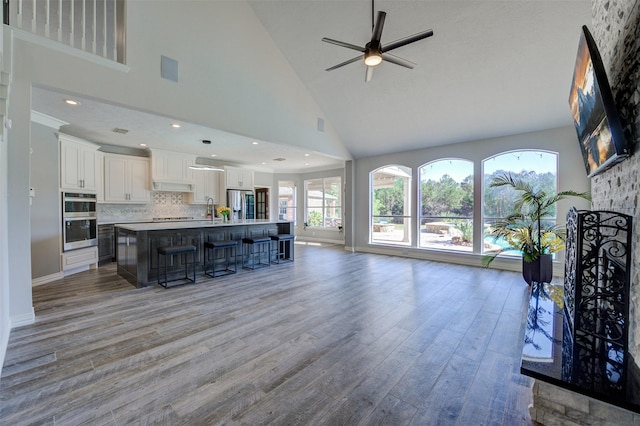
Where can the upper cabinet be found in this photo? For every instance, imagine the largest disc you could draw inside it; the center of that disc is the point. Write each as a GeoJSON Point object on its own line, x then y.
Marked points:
{"type": "Point", "coordinates": [170, 170]}
{"type": "Point", "coordinates": [205, 185]}
{"type": "Point", "coordinates": [238, 178]}
{"type": "Point", "coordinates": [126, 179]}
{"type": "Point", "coordinates": [78, 164]}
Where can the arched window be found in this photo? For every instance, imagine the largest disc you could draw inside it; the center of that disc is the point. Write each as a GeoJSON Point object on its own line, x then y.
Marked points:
{"type": "Point", "coordinates": [390, 195]}
{"type": "Point", "coordinates": [446, 205]}
{"type": "Point", "coordinates": [540, 168]}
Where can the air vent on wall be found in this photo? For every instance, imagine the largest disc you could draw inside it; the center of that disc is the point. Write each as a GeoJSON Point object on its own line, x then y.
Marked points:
{"type": "Point", "coordinates": [121, 131]}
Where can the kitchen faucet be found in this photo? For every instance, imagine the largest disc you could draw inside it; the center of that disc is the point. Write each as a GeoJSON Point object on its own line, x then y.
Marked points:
{"type": "Point", "coordinates": [210, 209]}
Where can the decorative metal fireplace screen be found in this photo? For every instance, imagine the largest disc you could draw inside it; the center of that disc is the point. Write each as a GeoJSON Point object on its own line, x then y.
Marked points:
{"type": "Point", "coordinates": [596, 308]}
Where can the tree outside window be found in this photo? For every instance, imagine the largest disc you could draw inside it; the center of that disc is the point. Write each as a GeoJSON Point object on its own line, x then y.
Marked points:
{"type": "Point", "coordinates": [539, 168]}
{"type": "Point", "coordinates": [446, 205]}
{"type": "Point", "coordinates": [323, 202]}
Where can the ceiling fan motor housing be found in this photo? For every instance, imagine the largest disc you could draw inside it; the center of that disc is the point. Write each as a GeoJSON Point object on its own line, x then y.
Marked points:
{"type": "Point", "coordinates": [372, 53]}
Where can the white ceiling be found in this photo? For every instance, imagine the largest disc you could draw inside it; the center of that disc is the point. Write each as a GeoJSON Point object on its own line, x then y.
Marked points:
{"type": "Point", "coordinates": [492, 68]}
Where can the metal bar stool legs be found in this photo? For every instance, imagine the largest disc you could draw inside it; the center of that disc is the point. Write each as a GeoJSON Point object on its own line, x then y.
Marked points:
{"type": "Point", "coordinates": [256, 247]}
{"type": "Point", "coordinates": [170, 251]}
{"type": "Point", "coordinates": [284, 249]}
{"type": "Point", "coordinates": [229, 249]}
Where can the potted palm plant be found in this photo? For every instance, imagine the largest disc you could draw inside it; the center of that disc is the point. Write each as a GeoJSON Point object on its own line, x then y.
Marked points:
{"type": "Point", "coordinates": [529, 229]}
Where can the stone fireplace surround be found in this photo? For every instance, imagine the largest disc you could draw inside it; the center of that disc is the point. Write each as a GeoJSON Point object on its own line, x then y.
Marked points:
{"type": "Point", "coordinates": [616, 28]}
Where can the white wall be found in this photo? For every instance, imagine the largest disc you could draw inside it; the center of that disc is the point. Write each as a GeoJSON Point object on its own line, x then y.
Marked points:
{"type": "Point", "coordinates": [5, 319]}
{"type": "Point", "coordinates": [571, 175]}
{"type": "Point", "coordinates": [45, 207]}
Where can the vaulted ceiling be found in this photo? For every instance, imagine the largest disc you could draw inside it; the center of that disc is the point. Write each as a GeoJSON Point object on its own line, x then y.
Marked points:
{"type": "Point", "coordinates": [492, 68]}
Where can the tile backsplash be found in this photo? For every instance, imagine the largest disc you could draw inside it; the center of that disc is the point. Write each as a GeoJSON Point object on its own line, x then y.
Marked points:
{"type": "Point", "coordinates": [163, 204]}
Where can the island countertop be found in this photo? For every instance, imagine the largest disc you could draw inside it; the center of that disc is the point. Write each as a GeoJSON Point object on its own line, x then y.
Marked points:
{"type": "Point", "coordinates": [137, 243]}
{"type": "Point", "coordinates": [160, 226]}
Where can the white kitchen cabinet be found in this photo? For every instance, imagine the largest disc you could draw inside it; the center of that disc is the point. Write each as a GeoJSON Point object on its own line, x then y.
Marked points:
{"type": "Point", "coordinates": [238, 178]}
{"type": "Point", "coordinates": [100, 177]}
{"type": "Point", "coordinates": [126, 179]}
{"type": "Point", "coordinates": [173, 167]}
{"type": "Point", "coordinates": [78, 164]}
{"type": "Point", "coordinates": [79, 258]}
{"type": "Point", "coordinates": [205, 185]}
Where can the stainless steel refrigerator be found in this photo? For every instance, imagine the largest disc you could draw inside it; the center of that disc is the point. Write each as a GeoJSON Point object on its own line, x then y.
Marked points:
{"type": "Point", "coordinates": [242, 204]}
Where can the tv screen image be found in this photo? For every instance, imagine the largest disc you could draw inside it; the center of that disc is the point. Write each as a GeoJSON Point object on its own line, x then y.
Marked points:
{"type": "Point", "coordinates": [594, 112]}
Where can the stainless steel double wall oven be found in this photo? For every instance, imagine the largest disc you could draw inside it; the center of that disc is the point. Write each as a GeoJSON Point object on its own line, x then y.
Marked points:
{"type": "Point", "coordinates": [79, 220]}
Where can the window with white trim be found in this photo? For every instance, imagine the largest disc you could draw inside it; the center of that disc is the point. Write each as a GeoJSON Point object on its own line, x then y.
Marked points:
{"type": "Point", "coordinates": [390, 198]}
{"type": "Point", "coordinates": [323, 202]}
{"type": "Point", "coordinates": [446, 205]}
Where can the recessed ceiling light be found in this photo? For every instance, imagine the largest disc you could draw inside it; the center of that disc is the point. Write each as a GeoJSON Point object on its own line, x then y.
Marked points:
{"type": "Point", "coordinates": [214, 155]}
{"type": "Point", "coordinates": [176, 126]}
{"type": "Point", "coordinates": [263, 163]}
{"type": "Point", "coordinates": [306, 164]}
{"type": "Point", "coordinates": [254, 143]}
{"type": "Point", "coordinates": [306, 155]}
{"type": "Point", "coordinates": [143, 144]}
{"type": "Point", "coordinates": [72, 102]}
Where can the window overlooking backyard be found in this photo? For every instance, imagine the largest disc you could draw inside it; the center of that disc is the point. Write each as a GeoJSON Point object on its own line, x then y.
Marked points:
{"type": "Point", "coordinates": [323, 198]}
{"type": "Point", "coordinates": [287, 200]}
{"type": "Point", "coordinates": [446, 205]}
{"type": "Point", "coordinates": [539, 168]}
{"type": "Point", "coordinates": [391, 205]}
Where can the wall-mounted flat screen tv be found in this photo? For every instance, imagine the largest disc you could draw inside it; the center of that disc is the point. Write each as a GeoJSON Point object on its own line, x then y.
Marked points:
{"type": "Point", "coordinates": [594, 113]}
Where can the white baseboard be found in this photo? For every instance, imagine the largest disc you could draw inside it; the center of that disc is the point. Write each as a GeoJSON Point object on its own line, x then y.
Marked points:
{"type": "Point", "coordinates": [319, 240]}
{"type": "Point", "coordinates": [4, 342]}
{"type": "Point", "coordinates": [47, 279]}
{"type": "Point", "coordinates": [468, 259]}
{"type": "Point", "coordinates": [78, 269]}
{"type": "Point", "coordinates": [24, 319]}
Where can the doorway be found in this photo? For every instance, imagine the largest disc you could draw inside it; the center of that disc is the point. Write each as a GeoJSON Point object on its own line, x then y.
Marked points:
{"type": "Point", "coordinates": [262, 203]}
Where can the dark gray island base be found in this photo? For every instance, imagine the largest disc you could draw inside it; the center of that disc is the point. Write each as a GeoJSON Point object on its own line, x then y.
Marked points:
{"type": "Point", "coordinates": [137, 244]}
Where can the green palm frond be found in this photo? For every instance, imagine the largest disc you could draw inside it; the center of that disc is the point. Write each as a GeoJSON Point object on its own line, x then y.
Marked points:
{"type": "Point", "coordinates": [528, 230]}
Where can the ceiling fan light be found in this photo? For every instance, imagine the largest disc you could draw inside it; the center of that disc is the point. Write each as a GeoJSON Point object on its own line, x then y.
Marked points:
{"type": "Point", "coordinates": [372, 59]}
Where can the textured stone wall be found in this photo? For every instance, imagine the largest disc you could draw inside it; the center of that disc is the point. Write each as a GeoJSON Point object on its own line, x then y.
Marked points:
{"type": "Point", "coordinates": [616, 29]}
{"type": "Point", "coordinates": [553, 406]}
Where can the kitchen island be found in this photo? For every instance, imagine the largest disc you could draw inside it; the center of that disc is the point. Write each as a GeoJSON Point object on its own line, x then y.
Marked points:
{"type": "Point", "coordinates": [137, 243]}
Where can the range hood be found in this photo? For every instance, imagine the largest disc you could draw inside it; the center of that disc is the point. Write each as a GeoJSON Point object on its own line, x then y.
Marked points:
{"type": "Point", "coordinates": [172, 186]}
{"type": "Point", "coordinates": [206, 164]}
{"type": "Point", "coordinates": [169, 171]}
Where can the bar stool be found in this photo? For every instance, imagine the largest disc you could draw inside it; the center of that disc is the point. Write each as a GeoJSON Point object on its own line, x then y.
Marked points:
{"type": "Point", "coordinates": [284, 247]}
{"type": "Point", "coordinates": [257, 246]}
{"type": "Point", "coordinates": [229, 249]}
{"type": "Point", "coordinates": [172, 251]}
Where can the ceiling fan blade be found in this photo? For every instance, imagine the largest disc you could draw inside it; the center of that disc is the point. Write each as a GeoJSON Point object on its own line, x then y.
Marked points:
{"type": "Point", "coordinates": [369, 75]}
{"type": "Point", "coordinates": [397, 60]}
{"type": "Point", "coordinates": [406, 40]}
{"type": "Point", "coordinates": [377, 30]}
{"type": "Point", "coordinates": [343, 44]}
{"type": "Point", "coordinates": [342, 64]}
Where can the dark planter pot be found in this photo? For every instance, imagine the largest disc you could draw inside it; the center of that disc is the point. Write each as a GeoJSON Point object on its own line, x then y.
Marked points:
{"type": "Point", "coordinates": [539, 270]}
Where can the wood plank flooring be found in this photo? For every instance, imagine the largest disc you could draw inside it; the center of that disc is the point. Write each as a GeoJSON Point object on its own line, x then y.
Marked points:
{"type": "Point", "coordinates": [335, 338]}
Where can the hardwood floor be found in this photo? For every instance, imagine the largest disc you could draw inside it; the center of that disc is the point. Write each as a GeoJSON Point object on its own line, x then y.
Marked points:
{"type": "Point", "coordinates": [334, 338]}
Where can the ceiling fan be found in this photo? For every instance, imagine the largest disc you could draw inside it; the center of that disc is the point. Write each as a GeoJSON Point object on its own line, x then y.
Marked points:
{"type": "Point", "coordinates": [375, 52]}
